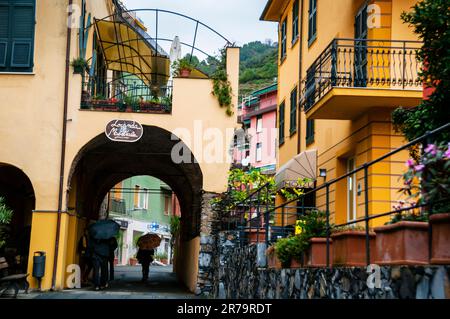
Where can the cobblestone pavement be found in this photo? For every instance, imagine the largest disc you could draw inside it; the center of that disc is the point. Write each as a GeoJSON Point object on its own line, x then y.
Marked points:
{"type": "Point", "coordinates": [162, 284]}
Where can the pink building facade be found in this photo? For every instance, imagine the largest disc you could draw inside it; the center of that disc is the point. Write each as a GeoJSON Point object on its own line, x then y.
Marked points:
{"type": "Point", "coordinates": [255, 145]}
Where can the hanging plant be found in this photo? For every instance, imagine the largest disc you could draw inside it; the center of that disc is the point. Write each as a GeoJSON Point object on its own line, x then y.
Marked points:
{"type": "Point", "coordinates": [222, 86]}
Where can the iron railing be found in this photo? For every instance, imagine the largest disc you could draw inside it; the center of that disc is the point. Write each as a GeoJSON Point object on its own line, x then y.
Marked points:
{"type": "Point", "coordinates": [127, 93]}
{"type": "Point", "coordinates": [362, 63]}
{"type": "Point", "coordinates": [258, 219]}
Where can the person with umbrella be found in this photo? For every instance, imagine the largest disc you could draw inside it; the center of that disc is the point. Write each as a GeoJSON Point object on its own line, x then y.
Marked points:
{"type": "Point", "coordinates": [100, 234]}
{"type": "Point", "coordinates": [146, 245]}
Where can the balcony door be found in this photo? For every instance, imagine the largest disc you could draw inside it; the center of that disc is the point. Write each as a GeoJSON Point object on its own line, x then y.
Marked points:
{"type": "Point", "coordinates": [351, 190]}
{"type": "Point", "coordinates": [361, 32]}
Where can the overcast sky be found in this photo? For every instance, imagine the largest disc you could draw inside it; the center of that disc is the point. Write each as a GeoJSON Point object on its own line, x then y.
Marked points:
{"type": "Point", "coordinates": [236, 20]}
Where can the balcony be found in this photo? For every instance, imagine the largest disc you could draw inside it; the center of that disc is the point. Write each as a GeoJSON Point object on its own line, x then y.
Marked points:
{"type": "Point", "coordinates": [126, 94]}
{"type": "Point", "coordinates": [351, 76]}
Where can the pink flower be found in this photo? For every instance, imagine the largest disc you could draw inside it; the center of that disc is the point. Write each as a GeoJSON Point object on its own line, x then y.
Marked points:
{"type": "Point", "coordinates": [431, 149]}
{"type": "Point", "coordinates": [410, 163]}
{"type": "Point", "coordinates": [419, 167]}
{"type": "Point", "coordinates": [447, 153]}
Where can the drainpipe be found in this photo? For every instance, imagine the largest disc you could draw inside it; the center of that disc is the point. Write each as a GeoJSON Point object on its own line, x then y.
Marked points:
{"type": "Point", "coordinates": [299, 140]}
{"type": "Point", "coordinates": [63, 148]}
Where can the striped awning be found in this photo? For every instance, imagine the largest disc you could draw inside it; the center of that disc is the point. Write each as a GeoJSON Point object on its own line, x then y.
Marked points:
{"type": "Point", "coordinates": [304, 165]}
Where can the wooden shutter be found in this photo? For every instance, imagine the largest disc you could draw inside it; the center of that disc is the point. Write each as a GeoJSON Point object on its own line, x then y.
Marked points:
{"type": "Point", "coordinates": [281, 124]}
{"type": "Point", "coordinates": [4, 34]}
{"type": "Point", "coordinates": [22, 36]}
{"type": "Point", "coordinates": [293, 117]}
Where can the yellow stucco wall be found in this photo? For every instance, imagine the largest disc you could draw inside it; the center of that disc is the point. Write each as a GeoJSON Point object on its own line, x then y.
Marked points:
{"type": "Point", "coordinates": [365, 137]}
{"type": "Point", "coordinates": [186, 270]}
{"type": "Point", "coordinates": [31, 109]}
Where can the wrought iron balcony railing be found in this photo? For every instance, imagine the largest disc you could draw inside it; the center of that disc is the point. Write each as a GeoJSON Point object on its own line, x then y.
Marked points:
{"type": "Point", "coordinates": [360, 63]}
{"type": "Point", "coordinates": [126, 94]}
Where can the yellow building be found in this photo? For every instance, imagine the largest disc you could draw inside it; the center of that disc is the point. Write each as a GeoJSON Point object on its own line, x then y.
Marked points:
{"type": "Point", "coordinates": [61, 147]}
{"type": "Point", "coordinates": [344, 66]}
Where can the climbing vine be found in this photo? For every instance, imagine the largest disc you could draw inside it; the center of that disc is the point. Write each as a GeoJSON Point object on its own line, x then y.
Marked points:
{"type": "Point", "coordinates": [221, 85]}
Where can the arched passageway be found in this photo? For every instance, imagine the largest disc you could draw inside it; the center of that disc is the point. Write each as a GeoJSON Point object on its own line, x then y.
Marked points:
{"type": "Point", "coordinates": [18, 194]}
{"type": "Point", "coordinates": [102, 164]}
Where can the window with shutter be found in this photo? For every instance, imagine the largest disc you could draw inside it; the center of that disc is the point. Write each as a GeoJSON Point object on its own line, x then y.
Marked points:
{"type": "Point", "coordinates": [283, 39]}
{"type": "Point", "coordinates": [309, 131]}
{"type": "Point", "coordinates": [17, 26]}
{"type": "Point", "coordinates": [281, 124]}
{"type": "Point", "coordinates": [293, 117]}
{"type": "Point", "coordinates": [312, 21]}
{"type": "Point", "coordinates": [295, 21]}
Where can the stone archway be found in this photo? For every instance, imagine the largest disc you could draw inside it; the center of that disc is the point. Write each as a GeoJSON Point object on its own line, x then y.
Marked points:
{"type": "Point", "coordinates": [18, 192]}
{"type": "Point", "coordinates": [102, 163]}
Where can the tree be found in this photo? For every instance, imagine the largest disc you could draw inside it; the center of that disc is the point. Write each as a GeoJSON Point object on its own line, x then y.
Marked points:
{"type": "Point", "coordinates": [430, 19]}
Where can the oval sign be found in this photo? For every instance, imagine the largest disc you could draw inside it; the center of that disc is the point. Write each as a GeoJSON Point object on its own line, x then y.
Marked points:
{"type": "Point", "coordinates": [124, 131]}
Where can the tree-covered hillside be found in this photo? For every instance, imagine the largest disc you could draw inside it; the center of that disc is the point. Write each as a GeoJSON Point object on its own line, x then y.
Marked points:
{"type": "Point", "coordinates": [258, 66]}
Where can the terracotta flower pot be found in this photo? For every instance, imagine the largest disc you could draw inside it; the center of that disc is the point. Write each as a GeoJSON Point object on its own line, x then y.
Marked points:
{"type": "Point", "coordinates": [296, 263]}
{"type": "Point", "coordinates": [349, 248]}
{"type": "Point", "coordinates": [402, 243]}
{"type": "Point", "coordinates": [316, 255]}
{"type": "Point", "coordinates": [185, 73]}
{"type": "Point", "coordinates": [440, 238]}
{"type": "Point", "coordinates": [256, 237]}
{"type": "Point", "coordinates": [273, 261]}
{"type": "Point", "coordinates": [133, 261]}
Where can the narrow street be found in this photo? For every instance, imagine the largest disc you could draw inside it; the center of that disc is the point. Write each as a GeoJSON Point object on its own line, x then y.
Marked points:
{"type": "Point", "coordinates": [162, 284]}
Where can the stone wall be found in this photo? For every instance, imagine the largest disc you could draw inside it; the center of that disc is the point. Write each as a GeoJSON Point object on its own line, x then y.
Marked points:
{"type": "Point", "coordinates": [242, 279]}
{"type": "Point", "coordinates": [207, 264]}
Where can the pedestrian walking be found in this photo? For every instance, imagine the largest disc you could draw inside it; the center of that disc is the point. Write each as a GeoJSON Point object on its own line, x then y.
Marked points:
{"type": "Point", "coordinates": [112, 248]}
{"type": "Point", "coordinates": [99, 250]}
{"type": "Point", "coordinates": [145, 258]}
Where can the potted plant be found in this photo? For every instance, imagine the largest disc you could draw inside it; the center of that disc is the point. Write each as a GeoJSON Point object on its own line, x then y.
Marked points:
{"type": "Point", "coordinates": [5, 218]}
{"type": "Point", "coordinates": [403, 240]}
{"type": "Point", "coordinates": [272, 258]}
{"type": "Point", "coordinates": [428, 181]}
{"type": "Point", "coordinates": [283, 252]}
{"type": "Point", "coordinates": [314, 230]}
{"type": "Point", "coordinates": [182, 67]}
{"type": "Point", "coordinates": [79, 65]}
{"type": "Point", "coordinates": [349, 246]}
{"type": "Point", "coordinates": [290, 251]}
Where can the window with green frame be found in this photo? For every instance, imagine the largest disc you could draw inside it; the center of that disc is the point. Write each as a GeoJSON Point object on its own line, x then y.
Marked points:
{"type": "Point", "coordinates": [281, 124]}
{"type": "Point", "coordinates": [312, 21]}
{"type": "Point", "coordinates": [295, 21]}
{"type": "Point", "coordinates": [283, 39]}
{"type": "Point", "coordinates": [17, 24]}
{"type": "Point", "coordinates": [309, 131]}
{"type": "Point", "coordinates": [293, 113]}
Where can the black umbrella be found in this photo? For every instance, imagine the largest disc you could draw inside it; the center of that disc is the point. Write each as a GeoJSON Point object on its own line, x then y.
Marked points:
{"type": "Point", "coordinates": [104, 229]}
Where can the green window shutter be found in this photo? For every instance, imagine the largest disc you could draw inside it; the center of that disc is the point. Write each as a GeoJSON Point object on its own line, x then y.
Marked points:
{"type": "Point", "coordinates": [4, 34]}
{"type": "Point", "coordinates": [293, 117]}
{"type": "Point", "coordinates": [281, 124]}
{"type": "Point", "coordinates": [22, 36]}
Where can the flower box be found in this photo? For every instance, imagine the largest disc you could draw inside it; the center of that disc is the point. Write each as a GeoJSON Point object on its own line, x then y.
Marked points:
{"type": "Point", "coordinates": [316, 255]}
{"type": "Point", "coordinates": [273, 261]}
{"type": "Point", "coordinates": [296, 263]}
{"type": "Point", "coordinates": [440, 238]}
{"type": "Point", "coordinates": [402, 243]}
{"type": "Point", "coordinates": [185, 73]}
{"type": "Point", "coordinates": [349, 248]}
{"type": "Point", "coordinates": [256, 237]}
